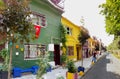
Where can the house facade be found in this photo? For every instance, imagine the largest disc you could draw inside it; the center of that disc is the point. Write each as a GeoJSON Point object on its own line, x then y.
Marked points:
{"type": "Point", "coordinates": [73, 49]}
{"type": "Point", "coordinates": [46, 18]}
{"type": "Point", "coordinates": [91, 46]}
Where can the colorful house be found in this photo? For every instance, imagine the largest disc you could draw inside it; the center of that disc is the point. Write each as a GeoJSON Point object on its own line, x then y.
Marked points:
{"type": "Point", "coordinates": [91, 45]}
{"type": "Point", "coordinates": [46, 17]}
{"type": "Point", "coordinates": [73, 49]}
{"type": "Point", "coordinates": [85, 47]}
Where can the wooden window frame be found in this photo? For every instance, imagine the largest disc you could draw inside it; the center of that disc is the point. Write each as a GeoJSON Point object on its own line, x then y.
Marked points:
{"type": "Point", "coordinates": [33, 53]}
{"type": "Point", "coordinates": [70, 50]}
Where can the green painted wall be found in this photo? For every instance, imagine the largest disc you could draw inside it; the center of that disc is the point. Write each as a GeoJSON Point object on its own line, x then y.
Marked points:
{"type": "Point", "coordinates": [53, 17]}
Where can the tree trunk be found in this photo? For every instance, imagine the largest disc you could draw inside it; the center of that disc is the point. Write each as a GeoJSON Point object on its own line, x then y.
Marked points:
{"type": "Point", "coordinates": [10, 61]}
{"type": "Point", "coordinates": [82, 57]}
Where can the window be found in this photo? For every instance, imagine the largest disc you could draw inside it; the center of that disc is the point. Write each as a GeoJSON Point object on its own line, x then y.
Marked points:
{"type": "Point", "coordinates": [69, 31]}
{"type": "Point", "coordinates": [38, 19]}
{"type": "Point", "coordinates": [32, 51]}
{"type": "Point", "coordinates": [70, 50]}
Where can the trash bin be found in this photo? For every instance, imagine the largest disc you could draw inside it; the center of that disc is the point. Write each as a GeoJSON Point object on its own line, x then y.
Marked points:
{"type": "Point", "coordinates": [16, 72]}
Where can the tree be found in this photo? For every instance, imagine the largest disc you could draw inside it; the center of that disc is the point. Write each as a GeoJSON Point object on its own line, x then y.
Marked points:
{"type": "Point", "coordinates": [16, 24]}
{"type": "Point", "coordinates": [83, 36]}
{"type": "Point", "coordinates": [115, 45]}
{"type": "Point", "coordinates": [111, 11]}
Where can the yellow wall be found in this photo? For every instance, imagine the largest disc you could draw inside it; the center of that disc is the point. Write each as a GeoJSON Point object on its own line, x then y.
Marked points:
{"type": "Point", "coordinates": [72, 40]}
{"type": "Point", "coordinates": [91, 45]}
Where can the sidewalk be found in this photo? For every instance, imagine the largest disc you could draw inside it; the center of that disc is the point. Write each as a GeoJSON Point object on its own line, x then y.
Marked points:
{"type": "Point", "coordinates": [114, 65]}
{"type": "Point", "coordinates": [61, 71]}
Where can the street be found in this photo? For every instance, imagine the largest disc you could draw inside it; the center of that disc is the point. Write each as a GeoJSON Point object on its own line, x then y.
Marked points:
{"type": "Point", "coordinates": [108, 67]}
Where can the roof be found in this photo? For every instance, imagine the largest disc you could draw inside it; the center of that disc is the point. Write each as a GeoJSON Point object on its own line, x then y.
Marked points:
{"type": "Point", "coordinates": [55, 3]}
{"type": "Point", "coordinates": [70, 21]}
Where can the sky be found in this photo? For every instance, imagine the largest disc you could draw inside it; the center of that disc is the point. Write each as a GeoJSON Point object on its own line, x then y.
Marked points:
{"type": "Point", "coordinates": [93, 20]}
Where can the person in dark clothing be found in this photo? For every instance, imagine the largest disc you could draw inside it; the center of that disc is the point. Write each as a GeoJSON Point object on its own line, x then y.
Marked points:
{"type": "Point", "coordinates": [94, 57]}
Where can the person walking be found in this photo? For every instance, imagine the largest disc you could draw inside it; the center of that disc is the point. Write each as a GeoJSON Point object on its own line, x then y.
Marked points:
{"type": "Point", "coordinates": [94, 58]}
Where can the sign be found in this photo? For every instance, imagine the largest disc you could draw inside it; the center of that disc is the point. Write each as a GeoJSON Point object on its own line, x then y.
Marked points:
{"type": "Point", "coordinates": [50, 47]}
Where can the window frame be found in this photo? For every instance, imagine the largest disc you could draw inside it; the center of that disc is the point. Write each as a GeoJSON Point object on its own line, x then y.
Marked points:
{"type": "Point", "coordinates": [39, 19]}
{"type": "Point", "coordinates": [70, 50]}
{"type": "Point", "coordinates": [68, 31]}
{"type": "Point", "coordinates": [28, 52]}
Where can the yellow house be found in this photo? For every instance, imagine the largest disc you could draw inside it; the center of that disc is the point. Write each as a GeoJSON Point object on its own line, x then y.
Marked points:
{"type": "Point", "coordinates": [91, 45]}
{"type": "Point", "coordinates": [73, 49]}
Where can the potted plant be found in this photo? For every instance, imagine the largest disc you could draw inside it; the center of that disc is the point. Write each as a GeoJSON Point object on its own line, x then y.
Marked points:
{"type": "Point", "coordinates": [72, 71]}
{"type": "Point", "coordinates": [5, 56]}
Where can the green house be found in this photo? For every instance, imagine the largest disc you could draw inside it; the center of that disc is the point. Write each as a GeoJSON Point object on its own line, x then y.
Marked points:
{"type": "Point", "coordinates": [47, 15]}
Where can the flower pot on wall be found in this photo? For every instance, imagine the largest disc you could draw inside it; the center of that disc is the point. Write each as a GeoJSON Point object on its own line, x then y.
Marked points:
{"type": "Point", "coordinates": [21, 49]}
{"type": "Point", "coordinates": [17, 46]}
{"type": "Point", "coordinates": [71, 75]}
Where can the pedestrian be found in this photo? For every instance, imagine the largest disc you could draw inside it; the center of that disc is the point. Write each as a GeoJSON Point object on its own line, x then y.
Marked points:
{"type": "Point", "coordinates": [94, 57]}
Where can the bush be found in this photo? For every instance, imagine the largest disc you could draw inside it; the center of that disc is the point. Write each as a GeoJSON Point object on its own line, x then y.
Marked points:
{"type": "Point", "coordinates": [4, 54]}
{"type": "Point", "coordinates": [63, 58]}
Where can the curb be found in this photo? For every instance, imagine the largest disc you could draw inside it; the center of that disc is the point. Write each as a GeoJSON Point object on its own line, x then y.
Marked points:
{"type": "Point", "coordinates": [91, 67]}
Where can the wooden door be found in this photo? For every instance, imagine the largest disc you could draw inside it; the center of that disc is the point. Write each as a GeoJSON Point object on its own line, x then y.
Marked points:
{"type": "Point", "coordinates": [57, 54]}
